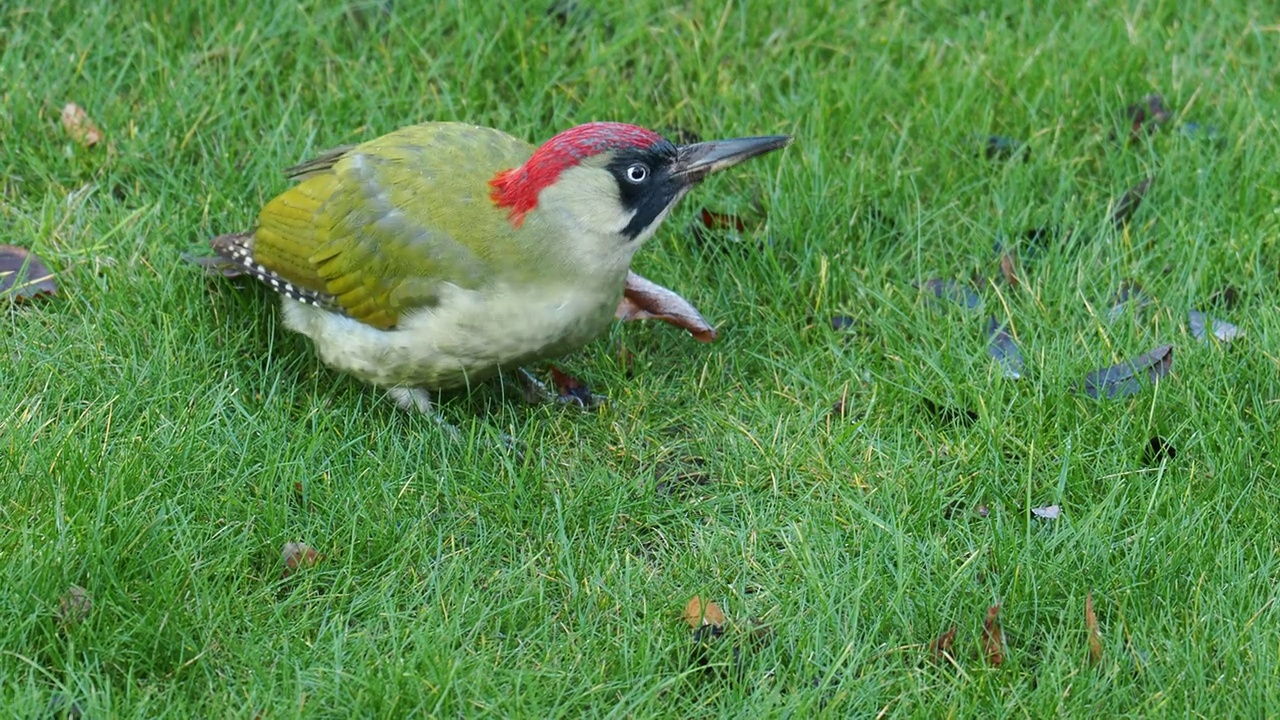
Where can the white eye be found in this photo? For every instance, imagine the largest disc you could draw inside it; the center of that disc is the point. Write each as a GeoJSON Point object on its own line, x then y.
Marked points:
{"type": "Point", "coordinates": [637, 174]}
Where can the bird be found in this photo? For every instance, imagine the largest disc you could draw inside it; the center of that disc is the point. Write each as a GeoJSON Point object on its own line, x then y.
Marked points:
{"type": "Point", "coordinates": [441, 253]}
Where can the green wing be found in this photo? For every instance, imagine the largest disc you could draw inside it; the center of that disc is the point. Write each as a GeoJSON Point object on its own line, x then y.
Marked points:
{"type": "Point", "coordinates": [379, 229]}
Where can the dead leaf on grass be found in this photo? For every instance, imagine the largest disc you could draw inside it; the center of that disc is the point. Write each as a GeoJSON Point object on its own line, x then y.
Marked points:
{"type": "Point", "coordinates": [1203, 327]}
{"type": "Point", "coordinates": [1130, 295]}
{"type": "Point", "coordinates": [699, 612]}
{"type": "Point", "coordinates": [1047, 512]}
{"type": "Point", "coordinates": [993, 636]}
{"type": "Point", "coordinates": [940, 647]}
{"type": "Point", "coordinates": [957, 292]}
{"type": "Point", "coordinates": [643, 299]}
{"type": "Point", "coordinates": [1124, 379]}
{"type": "Point", "coordinates": [1147, 115]}
{"type": "Point", "coordinates": [1158, 450]}
{"type": "Point", "coordinates": [74, 606]}
{"type": "Point", "coordinates": [78, 125]}
{"type": "Point", "coordinates": [1128, 203]}
{"type": "Point", "coordinates": [1002, 347]}
{"type": "Point", "coordinates": [298, 556]}
{"type": "Point", "coordinates": [1091, 626]}
{"type": "Point", "coordinates": [23, 276]}
{"type": "Point", "coordinates": [1009, 268]}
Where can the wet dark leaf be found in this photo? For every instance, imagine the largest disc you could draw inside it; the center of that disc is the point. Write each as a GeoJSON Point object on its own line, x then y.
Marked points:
{"type": "Point", "coordinates": [842, 322]}
{"type": "Point", "coordinates": [1203, 327]}
{"type": "Point", "coordinates": [1128, 203]}
{"type": "Point", "coordinates": [681, 475]}
{"type": "Point", "coordinates": [1130, 295]}
{"type": "Point", "coordinates": [1146, 116]}
{"type": "Point", "coordinates": [1001, 346]}
{"type": "Point", "coordinates": [1125, 378]}
{"type": "Point", "coordinates": [952, 290]}
{"type": "Point", "coordinates": [1158, 450]}
{"type": "Point", "coordinates": [993, 636]}
{"type": "Point", "coordinates": [940, 647]}
{"type": "Point", "coordinates": [572, 391]}
{"type": "Point", "coordinates": [298, 556]}
{"type": "Point", "coordinates": [74, 606]}
{"type": "Point", "coordinates": [61, 707]}
{"type": "Point", "coordinates": [1202, 133]}
{"type": "Point", "coordinates": [998, 147]}
{"type": "Point", "coordinates": [78, 125]}
{"type": "Point", "coordinates": [1225, 298]}
{"type": "Point", "coordinates": [1047, 512]}
{"type": "Point", "coordinates": [949, 414]}
{"type": "Point", "coordinates": [1091, 627]}
{"type": "Point", "coordinates": [643, 299]}
{"type": "Point", "coordinates": [1009, 269]}
{"type": "Point", "coordinates": [23, 276]}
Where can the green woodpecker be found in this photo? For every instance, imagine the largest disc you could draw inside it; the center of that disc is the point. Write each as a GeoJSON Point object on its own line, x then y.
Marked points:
{"type": "Point", "coordinates": [441, 253]}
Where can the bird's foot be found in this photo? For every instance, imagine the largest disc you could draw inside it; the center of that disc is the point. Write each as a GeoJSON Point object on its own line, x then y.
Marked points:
{"type": "Point", "coordinates": [414, 399]}
{"type": "Point", "coordinates": [536, 392]}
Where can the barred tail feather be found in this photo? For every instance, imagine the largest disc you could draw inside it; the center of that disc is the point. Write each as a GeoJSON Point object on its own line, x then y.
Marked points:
{"type": "Point", "coordinates": [235, 258]}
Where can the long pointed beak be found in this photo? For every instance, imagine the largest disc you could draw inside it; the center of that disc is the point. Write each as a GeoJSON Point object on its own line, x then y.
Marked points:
{"type": "Point", "coordinates": [695, 162]}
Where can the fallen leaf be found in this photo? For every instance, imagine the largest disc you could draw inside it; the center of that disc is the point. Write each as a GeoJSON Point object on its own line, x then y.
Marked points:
{"type": "Point", "coordinates": [842, 322]}
{"type": "Point", "coordinates": [1091, 626]}
{"type": "Point", "coordinates": [643, 299]}
{"type": "Point", "coordinates": [78, 125]}
{"type": "Point", "coordinates": [1222, 331]}
{"type": "Point", "coordinates": [945, 289]}
{"type": "Point", "coordinates": [1009, 268]}
{"type": "Point", "coordinates": [1048, 512]}
{"type": "Point", "coordinates": [298, 556]}
{"type": "Point", "coordinates": [23, 276]}
{"type": "Point", "coordinates": [1001, 346]}
{"type": "Point", "coordinates": [1158, 450]}
{"type": "Point", "coordinates": [1148, 115]}
{"type": "Point", "coordinates": [940, 647]}
{"type": "Point", "coordinates": [683, 474]}
{"type": "Point", "coordinates": [1127, 205]}
{"type": "Point", "coordinates": [983, 511]}
{"type": "Point", "coordinates": [998, 147]}
{"type": "Point", "coordinates": [1202, 133]}
{"type": "Point", "coordinates": [698, 612]}
{"type": "Point", "coordinates": [1130, 295]}
{"type": "Point", "coordinates": [1225, 298]}
{"type": "Point", "coordinates": [713, 220]}
{"type": "Point", "coordinates": [74, 606]}
{"type": "Point", "coordinates": [950, 414]}
{"type": "Point", "coordinates": [1124, 378]}
{"type": "Point", "coordinates": [993, 636]}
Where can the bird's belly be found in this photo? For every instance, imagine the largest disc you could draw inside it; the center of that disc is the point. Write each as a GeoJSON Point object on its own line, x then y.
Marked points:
{"type": "Point", "coordinates": [467, 337]}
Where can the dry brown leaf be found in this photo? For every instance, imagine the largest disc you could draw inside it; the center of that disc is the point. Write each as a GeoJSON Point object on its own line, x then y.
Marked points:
{"type": "Point", "coordinates": [74, 606]}
{"type": "Point", "coordinates": [993, 636]}
{"type": "Point", "coordinates": [644, 299]}
{"type": "Point", "coordinates": [1091, 625]}
{"type": "Point", "coordinates": [1009, 268]}
{"type": "Point", "coordinates": [698, 612]}
{"type": "Point", "coordinates": [23, 275]}
{"type": "Point", "coordinates": [298, 556]}
{"type": "Point", "coordinates": [78, 125]}
{"type": "Point", "coordinates": [940, 648]}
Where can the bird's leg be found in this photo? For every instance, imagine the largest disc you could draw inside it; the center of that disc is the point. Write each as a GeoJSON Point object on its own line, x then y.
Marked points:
{"type": "Point", "coordinates": [415, 399]}
{"type": "Point", "coordinates": [536, 392]}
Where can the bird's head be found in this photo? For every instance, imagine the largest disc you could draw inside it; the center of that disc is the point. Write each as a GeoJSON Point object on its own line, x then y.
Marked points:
{"type": "Point", "coordinates": [615, 180]}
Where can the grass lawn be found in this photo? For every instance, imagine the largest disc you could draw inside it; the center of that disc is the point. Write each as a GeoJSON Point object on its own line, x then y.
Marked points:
{"type": "Point", "coordinates": [162, 436]}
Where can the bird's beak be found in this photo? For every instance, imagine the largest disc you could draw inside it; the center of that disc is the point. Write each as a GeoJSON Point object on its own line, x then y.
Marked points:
{"type": "Point", "coordinates": [695, 162]}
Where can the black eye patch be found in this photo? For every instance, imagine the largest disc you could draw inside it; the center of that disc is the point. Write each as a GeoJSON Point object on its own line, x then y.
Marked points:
{"type": "Point", "coordinates": [650, 197]}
